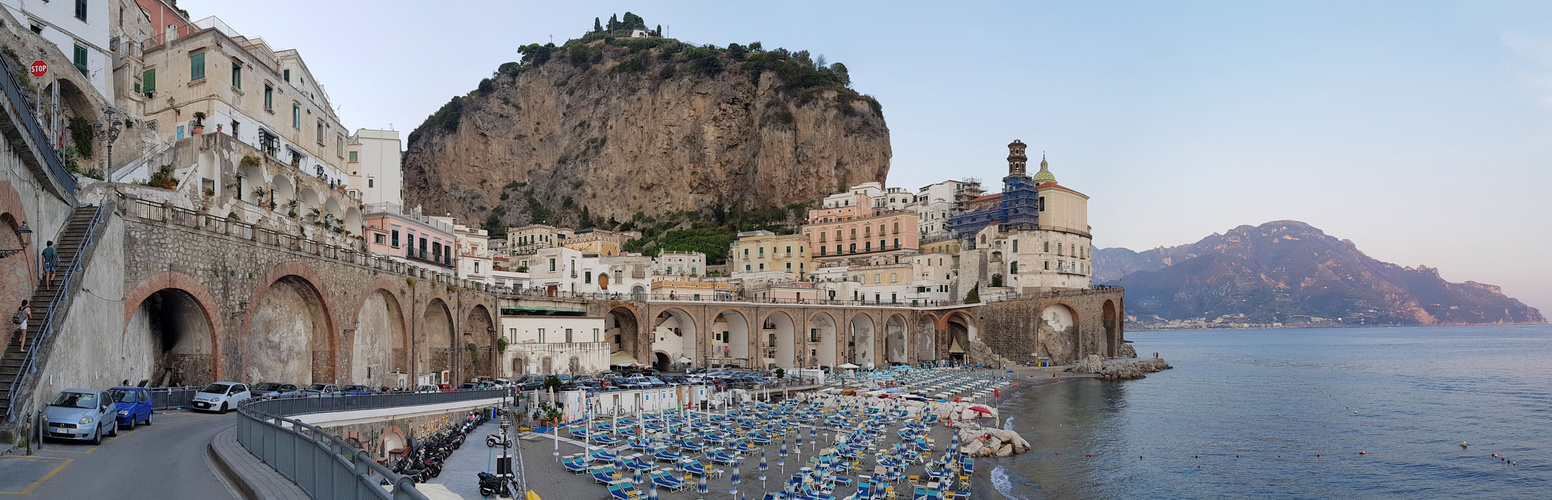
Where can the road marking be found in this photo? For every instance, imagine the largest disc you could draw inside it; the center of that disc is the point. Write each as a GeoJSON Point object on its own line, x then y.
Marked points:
{"type": "Point", "coordinates": [44, 478]}
{"type": "Point", "coordinates": [90, 449]}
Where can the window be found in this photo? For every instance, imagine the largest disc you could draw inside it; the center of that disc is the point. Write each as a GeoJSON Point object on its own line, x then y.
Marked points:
{"type": "Point", "coordinates": [789, 267]}
{"type": "Point", "coordinates": [894, 277]}
{"type": "Point", "coordinates": [1047, 247]}
{"type": "Point", "coordinates": [296, 116]}
{"type": "Point", "coordinates": [877, 279]}
{"type": "Point", "coordinates": [568, 335]}
{"type": "Point", "coordinates": [320, 132]}
{"type": "Point", "coordinates": [237, 75]}
{"type": "Point", "coordinates": [821, 237]}
{"type": "Point", "coordinates": [80, 61]}
{"type": "Point", "coordinates": [1012, 268]}
{"type": "Point", "coordinates": [747, 268]}
{"type": "Point", "coordinates": [1048, 265]}
{"type": "Point", "coordinates": [353, 157]}
{"type": "Point", "coordinates": [854, 233]}
{"type": "Point", "coordinates": [762, 252]}
{"type": "Point", "coordinates": [148, 81]}
{"type": "Point", "coordinates": [762, 266]}
{"type": "Point", "coordinates": [1015, 246]}
{"type": "Point", "coordinates": [511, 335]}
{"type": "Point", "coordinates": [789, 249]}
{"type": "Point", "coordinates": [552, 265]}
{"type": "Point", "coordinates": [867, 232]}
{"type": "Point", "coordinates": [1059, 249]}
{"type": "Point", "coordinates": [837, 235]}
{"type": "Point", "coordinates": [381, 239]}
{"type": "Point", "coordinates": [595, 335]}
{"type": "Point", "coordinates": [587, 277]}
{"type": "Point", "coordinates": [80, 9]}
{"type": "Point", "coordinates": [897, 228]}
{"type": "Point", "coordinates": [339, 146]}
{"type": "Point", "coordinates": [541, 335]}
{"type": "Point", "coordinates": [822, 251]}
{"type": "Point", "coordinates": [369, 182]}
{"type": "Point", "coordinates": [396, 238]}
{"type": "Point", "coordinates": [269, 97]}
{"type": "Point", "coordinates": [867, 246]}
{"type": "Point", "coordinates": [197, 67]}
{"type": "Point", "coordinates": [286, 74]}
{"type": "Point", "coordinates": [897, 243]}
{"type": "Point", "coordinates": [853, 248]}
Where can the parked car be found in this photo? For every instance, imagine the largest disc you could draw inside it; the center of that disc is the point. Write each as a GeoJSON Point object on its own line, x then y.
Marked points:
{"type": "Point", "coordinates": [133, 405]}
{"type": "Point", "coordinates": [468, 386]}
{"type": "Point", "coordinates": [221, 396]}
{"type": "Point", "coordinates": [321, 389]}
{"type": "Point", "coordinates": [446, 387]}
{"type": "Point", "coordinates": [356, 390]}
{"type": "Point", "coordinates": [656, 382]}
{"type": "Point", "coordinates": [274, 390]}
{"type": "Point", "coordinates": [81, 414]}
{"type": "Point", "coordinates": [428, 388]}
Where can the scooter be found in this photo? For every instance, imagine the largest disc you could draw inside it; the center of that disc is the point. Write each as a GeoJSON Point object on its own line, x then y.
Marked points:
{"type": "Point", "coordinates": [493, 440]}
{"type": "Point", "coordinates": [491, 484]}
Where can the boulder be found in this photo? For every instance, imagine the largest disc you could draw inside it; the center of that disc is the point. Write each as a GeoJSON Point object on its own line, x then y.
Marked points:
{"type": "Point", "coordinates": [1005, 451]}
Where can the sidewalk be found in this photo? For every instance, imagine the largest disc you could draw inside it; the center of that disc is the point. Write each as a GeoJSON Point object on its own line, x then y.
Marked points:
{"type": "Point", "coordinates": [253, 478]}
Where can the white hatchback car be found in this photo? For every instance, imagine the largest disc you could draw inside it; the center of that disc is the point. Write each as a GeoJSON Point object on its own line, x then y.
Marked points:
{"type": "Point", "coordinates": [221, 396]}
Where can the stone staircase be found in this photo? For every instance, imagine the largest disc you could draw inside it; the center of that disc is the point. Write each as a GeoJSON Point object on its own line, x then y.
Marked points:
{"type": "Point", "coordinates": [49, 302]}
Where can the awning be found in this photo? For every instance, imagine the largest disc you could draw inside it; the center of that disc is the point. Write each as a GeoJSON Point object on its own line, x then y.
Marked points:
{"type": "Point", "coordinates": [622, 358]}
{"type": "Point", "coordinates": [954, 348]}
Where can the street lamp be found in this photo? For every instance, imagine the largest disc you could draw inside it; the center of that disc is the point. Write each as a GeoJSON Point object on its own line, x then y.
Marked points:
{"type": "Point", "coordinates": [25, 234]}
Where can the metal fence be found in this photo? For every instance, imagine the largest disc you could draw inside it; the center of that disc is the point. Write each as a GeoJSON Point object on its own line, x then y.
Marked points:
{"type": "Point", "coordinates": [167, 398]}
{"type": "Point", "coordinates": [303, 405]}
{"type": "Point", "coordinates": [322, 464]}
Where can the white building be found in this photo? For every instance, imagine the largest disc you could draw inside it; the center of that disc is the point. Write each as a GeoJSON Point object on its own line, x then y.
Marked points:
{"type": "Point", "coordinates": [936, 203]}
{"type": "Point", "coordinates": [79, 28]}
{"type": "Point", "coordinates": [553, 345]}
{"type": "Point", "coordinates": [562, 270]}
{"type": "Point", "coordinates": [685, 263]}
{"type": "Point", "coordinates": [509, 281]}
{"type": "Point", "coordinates": [374, 161]}
{"type": "Point", "coordinates": [473, 260]}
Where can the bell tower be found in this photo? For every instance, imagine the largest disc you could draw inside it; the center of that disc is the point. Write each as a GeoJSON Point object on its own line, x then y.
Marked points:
{"type": "Point", "coordinates": [1016, 158]}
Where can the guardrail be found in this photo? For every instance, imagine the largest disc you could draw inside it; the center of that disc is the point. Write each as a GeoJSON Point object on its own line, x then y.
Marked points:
{"type": "Point", "coordinates": [51, 161]}
{"type": "Point", "coordinates": [167, 398]}
{"type": "Point", "coordinates": [322, 464]}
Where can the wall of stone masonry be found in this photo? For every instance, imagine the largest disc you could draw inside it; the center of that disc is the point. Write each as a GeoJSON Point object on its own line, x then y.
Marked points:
{"type": "Point", "coordinates": [1015, 329]}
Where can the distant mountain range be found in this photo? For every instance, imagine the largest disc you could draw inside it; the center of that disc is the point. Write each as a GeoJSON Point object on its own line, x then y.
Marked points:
{"type": "Point", "coordinates": [1288, 273]}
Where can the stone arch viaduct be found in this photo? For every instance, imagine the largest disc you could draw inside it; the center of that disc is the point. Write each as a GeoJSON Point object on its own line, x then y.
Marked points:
{"type": "Point", "coordinates": [208, 298]}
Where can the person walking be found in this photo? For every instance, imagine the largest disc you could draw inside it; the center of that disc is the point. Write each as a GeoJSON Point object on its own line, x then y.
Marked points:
{"type": "Point", "coordinates": [19, 318]}
{"type": "Point", "coordinates": [50, 263]}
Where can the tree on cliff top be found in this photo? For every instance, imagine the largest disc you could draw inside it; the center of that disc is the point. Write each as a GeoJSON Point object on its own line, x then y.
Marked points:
{"type": "Point", "coordinates": [597, 27]}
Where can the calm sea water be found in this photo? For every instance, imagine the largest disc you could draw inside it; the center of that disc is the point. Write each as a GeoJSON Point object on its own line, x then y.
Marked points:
{"type": "Point", "coordinates": [1285, 414]}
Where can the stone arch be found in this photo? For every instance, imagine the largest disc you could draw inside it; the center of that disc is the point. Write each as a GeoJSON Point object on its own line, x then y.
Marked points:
{"type": "Point", "coordinates": [392, 445]}
{"type": "Point", "coordinates": [332, 207]}
{"type": "Point", "coordinates": [661, 360]}
{"type": "Point", "coordinates": [353, 220]}
{"type": "Point", "coordinates": [1112, 329]}
{"type": "Point", "coordinates": [282, 191]}
{"type": "Point", "coordinates": [927, 337]}
{"type": "Point", "coordinates": [822, 331]}
{"type": "Point", "coordinates": [547, 366]}
{"type": "Point", "coordinates": [291, 334]}
{"type": "Point", "coordinates": [248, 178]}
{"type": "Point", "coordinates": [310, 200]}
{"type": "Point", "coordinates": [623, 328]}
{"type": "Point", "coordinates": [169, 338]}
{"type": "Point", "coordinates": [603, 281]}
{"type": "Point", "coordinates": [736, 338]}
{"type": "Point", "coordinates": [961, 330]}
{"type": "Point", "coordinates": [896, 345]}
{"type": "Point", "coordinates": [675, 333]}
{"type": "Point", "coordinates": [378, 340]}
{"type": "Point", "coordinates": [480, 330]}
{"type": "Point", "coordinates": [780, 326]}
{"type": "Point", "coordinates": [1058, 332]}
{"type": "Point", "coordinates": [436, 353]}
{"type": "Point", "coordinates": [861, 329]}
{"type": "Point", "coordinates": [78, 104]}
{"type": "Point", "coordinates": [210, 168]}
{"type": "Point", "coordinates": [519, 365]}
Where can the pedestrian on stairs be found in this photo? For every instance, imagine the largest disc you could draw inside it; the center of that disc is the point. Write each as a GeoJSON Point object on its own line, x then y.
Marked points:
{"type": "Point", "coordinates": [20, 320]}
{"type": "Point", "coordinates": [50, 263]}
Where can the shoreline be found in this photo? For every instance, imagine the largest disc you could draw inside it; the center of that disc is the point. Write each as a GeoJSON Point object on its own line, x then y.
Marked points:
{"type": "Point", "coordinates": [1026, 378]}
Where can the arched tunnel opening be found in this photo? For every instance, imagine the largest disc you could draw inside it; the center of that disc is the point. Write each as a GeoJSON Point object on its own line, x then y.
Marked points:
{"type": "Point", "coordinates": [169, 341]}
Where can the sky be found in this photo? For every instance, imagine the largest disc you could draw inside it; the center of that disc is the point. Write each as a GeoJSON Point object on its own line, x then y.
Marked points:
{"type": "Point", "coordinates": [1420, 130]}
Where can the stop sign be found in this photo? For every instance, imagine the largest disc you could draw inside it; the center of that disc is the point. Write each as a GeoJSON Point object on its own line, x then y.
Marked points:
{"type": "Point", "coordinates": [39, 68]}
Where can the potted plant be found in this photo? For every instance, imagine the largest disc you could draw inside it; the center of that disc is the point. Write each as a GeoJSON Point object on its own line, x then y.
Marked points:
{"type": "Point", "coordinates": [199, 122]}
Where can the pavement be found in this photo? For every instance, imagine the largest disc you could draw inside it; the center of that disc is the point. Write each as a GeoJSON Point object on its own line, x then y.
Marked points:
{"type": "Point", "coordinates": [168, 459]}
{"type": "Point", "coordinates": [460, 470]}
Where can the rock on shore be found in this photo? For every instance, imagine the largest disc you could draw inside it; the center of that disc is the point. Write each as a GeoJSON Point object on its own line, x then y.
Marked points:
{"type": "Point", "coordinates": [978, 441]}
{"type": "Point", "coordinates": [1119, 369]}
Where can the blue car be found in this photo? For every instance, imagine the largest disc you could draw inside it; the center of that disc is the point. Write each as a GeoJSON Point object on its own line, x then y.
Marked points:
{"type": "Point", "coordinates": [133, 405]}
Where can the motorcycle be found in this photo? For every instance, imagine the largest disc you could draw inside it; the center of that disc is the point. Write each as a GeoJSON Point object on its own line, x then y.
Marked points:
{"type": "Point", "coordinates": [493, 485]}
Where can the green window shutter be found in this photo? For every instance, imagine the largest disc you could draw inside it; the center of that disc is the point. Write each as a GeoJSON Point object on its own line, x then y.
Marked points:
{"type": "Point", "coordinates": [269, 97]}
{"type": "Point", "coordinates": [80, 60]}
{"type": "Point", "coordinates": [287, 75]}
{"type": "Point", "coordinates": [237, 75]}
{"type": "Point", "coordinates": [148, 80]}
{"type": "Point", "coordinates": [197, 66]}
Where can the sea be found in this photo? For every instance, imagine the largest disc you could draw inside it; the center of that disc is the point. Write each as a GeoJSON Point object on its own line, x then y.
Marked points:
{"type": "Point", "coordinates": [1298, 413]}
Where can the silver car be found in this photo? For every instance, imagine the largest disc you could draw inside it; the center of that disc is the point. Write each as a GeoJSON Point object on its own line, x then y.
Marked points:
{"type": "Point", "coordinates": [221, 396]}
{"type": "Point", "coordinates": [82, 414]}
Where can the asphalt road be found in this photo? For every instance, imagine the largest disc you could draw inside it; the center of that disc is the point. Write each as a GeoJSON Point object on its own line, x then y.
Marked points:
{"type": "Point", "coordinates": [168, 459]}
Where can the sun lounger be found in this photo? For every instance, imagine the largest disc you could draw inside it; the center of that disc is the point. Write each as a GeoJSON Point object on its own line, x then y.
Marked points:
{"type": "Point", "coordinates": [601, 455]}
{"type": "Point", "coordinates": [603, 474]}
{"type": "Point", "coordinates": [575, 463]}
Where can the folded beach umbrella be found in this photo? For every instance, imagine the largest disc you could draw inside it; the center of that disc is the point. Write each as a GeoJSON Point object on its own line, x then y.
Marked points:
{"type": "Point", "coordinates": [735, 479]}
{"type": "Point", "coordinates": [635, 475]}
{"type": "Point", "coordinates": [653, 494]}
{"type": "Point", "coordinates": [763, 467]}
{"type": "Point", "coordinates": [700, 485]}
{"type": "Point", "coordinates": [619, 462]}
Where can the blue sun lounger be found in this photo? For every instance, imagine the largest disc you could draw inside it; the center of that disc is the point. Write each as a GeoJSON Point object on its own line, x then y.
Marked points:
{"type": "Point", "coordinates": [575, 463]}
{"type": "Point", "coordinates": [624, 490]}
{"type": "Point", "coordinates": [664, 479]}
{"type": "Point", "coordinates": [604, 474]}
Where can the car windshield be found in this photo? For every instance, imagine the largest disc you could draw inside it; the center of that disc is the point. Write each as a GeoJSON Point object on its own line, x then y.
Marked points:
{"type": "Point", "coordinates": [122, 395]}
{"type": "Point", "coordinates": [317, 387]}
{"type": "Point", "coordinates": [355, 387]}
{"type": "Point", "coordinates": [75, 400]}
{"type": "Point", "coordinates": [216, 388]}
{"type": "Point", "coordinates": [266, 386]}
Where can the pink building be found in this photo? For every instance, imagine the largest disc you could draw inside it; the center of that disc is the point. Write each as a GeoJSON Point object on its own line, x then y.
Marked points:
{"type": "Point", "coordinates": [408, 236]}
{"type": "Point", "coordinates": [849, 234]}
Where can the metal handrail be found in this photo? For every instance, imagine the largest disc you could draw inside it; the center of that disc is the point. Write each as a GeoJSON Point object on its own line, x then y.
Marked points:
{"type": "Point", "coordinates": [322, 464]}
{"type": "Point", "coordinates": [303, 405]}
{"type": "Point", "coordinates": [56, 309]}
{"type": "Point", "coordinates": [50, 157]}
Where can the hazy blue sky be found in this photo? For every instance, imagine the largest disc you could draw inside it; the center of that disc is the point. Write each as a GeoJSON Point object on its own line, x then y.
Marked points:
{"type": "Point", "coordinates": [1422, 131]}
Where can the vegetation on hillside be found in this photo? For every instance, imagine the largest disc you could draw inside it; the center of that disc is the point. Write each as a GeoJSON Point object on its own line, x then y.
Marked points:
{"type": "Point", "coordinates": [802, 76]}
{"type": "Point", "coordinates": [710, 230]}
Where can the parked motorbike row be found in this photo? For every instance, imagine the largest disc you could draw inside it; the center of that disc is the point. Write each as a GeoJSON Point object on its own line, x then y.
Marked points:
{"type": "Point", "coordinates": [425, 458]}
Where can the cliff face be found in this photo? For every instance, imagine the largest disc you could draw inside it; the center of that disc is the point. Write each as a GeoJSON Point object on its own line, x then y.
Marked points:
{"type": "Point", "coordinates": [621, 130]}
{"type": "Point", "coordinates": [1292, 273]}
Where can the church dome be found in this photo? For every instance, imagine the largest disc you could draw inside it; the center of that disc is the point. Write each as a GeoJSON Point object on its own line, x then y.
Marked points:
{"type": "Point", "coordinates": [1044, 174]}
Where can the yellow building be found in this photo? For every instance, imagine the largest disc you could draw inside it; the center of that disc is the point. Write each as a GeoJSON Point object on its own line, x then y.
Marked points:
{"type": "Point", "coordinates": [767, 256]}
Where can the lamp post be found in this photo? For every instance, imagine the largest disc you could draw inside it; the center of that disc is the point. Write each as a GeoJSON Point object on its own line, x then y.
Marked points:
{"type": "Point", "coordinates": [23, 233]}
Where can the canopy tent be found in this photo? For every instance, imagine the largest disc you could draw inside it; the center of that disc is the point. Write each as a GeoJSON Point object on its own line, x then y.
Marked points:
{"type": "Point", "coordinates": [622, 358]}
{"type": "Point", "coordinates": [955, 349]}
{"type": "Point", "coordinates": [849, 366]}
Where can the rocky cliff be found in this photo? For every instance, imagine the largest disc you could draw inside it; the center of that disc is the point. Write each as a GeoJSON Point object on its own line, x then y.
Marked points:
{"type": "Point", "coordinates": [1288, 272]}
{"type": "Point", "coordinates": [612, 126]}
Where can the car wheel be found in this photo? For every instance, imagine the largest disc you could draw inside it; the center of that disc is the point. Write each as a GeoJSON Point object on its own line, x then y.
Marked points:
{"type": "Point", "coordinates": [131, 422]}
{"type": "Point", "coordinates": [223, 408]}
{"type": "Point", "coordinates": [148, 417]}
{"type": "Point", "coordinates": [115, 431]}
{"type": "Point", "coordinates": [97, 438]}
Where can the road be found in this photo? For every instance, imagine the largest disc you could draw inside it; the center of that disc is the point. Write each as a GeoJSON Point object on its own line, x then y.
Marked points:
{"type": "Point", "coordinates": [168, 459]}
